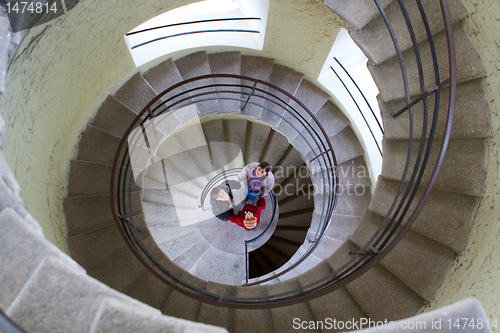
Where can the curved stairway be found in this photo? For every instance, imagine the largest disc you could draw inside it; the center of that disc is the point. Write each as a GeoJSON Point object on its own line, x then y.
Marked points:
{"type": "Point", "coordinates": [398, 286]}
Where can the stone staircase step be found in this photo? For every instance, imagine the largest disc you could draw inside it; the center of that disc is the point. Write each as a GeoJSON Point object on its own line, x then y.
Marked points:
{"type": "Point", "coordinates": [245, 320]}
{"type": "Point", "coordinates": [175, 180]}
{"type": "Point", "coordinates": [288, 165]}
{"type": "Point", "coordinates": [346, 145]}
{"type": "Point", "coordinates": [97, 146]}
{"type": "Point", "coordinates": [375, 41]}
{"type": "Point", "coordinates": [341, 226]}
{"type": "Point", "coordinates": [196, 64]}
{"type": "Point", "coordinates": [287, 314]}
{"type": "Point", "coordinates": [159, 214]}
{"type": "Point", "coordinates": [357, 13]}
{"type": "Point", "coordinates": [371, 290]}
{"type": "Point", "coordinates": [136, 93]}
{"type": "Point", "coordinates": [446, 217]}
{"type": "Point", "coordinates": [76, 210]}
{"type": "Point", "coordinates": [327, 245]}
{"type": "Point", "coordinates": [113, 117]}
{"type": "Point", "coordinates": [214, 136]}
{"type": "Point", "coordinates": [301, 219]}
{"type": "Point", "coordinates": [354, 173]}
{"type": "Point", "coordinates": [298, 203]}
{"type": "Point", "coordinates": [259, 68]}
{"type": "Point", "coordinates": [387, 75]}
{"type": "Point", "coordinates": [420, 262]}
{"type": "Point", "coordinates": [235, 132]}
{"type": "Point", "coordinates": [256, 138]}
{"type": "Point", "coordinates": [283, 245]}
{"type": "Point", "coordinates": [471, 118]}
{"type": "Point", "coordinates": [311, 261]}
{"type": "Point", "coordinates": [339, 302]}
{"type": "Point", "coordinates": [192, 253]}
{"type": "Point", "coordinates": [151, 290]}
{"type": "Point", "coordinates": [220, 266]}
{"type": "Point", "coordinates": [227, 63]}
{"type": "Point", "coordinates": [286, 79]}
{"type": "Point", "coordinates": [294, 235]}
{"type": "Point", "coordinates": [124, 265]}
{"type": "Point", "coordinates": [178, 245]}
{"type": "Point", "coordinates": [275, 256]}
{"type": "Point", "coordinates": [264, 264]}
{"type": "Point", "coordinates": [275, 147]}
{"type": "Point", "coordinates": [59, 298]}
{"type": "Point", "coordinates": [96, 248]}
{"type": "Point", "coordinates": [89, 178]}
{"type": "Point", "coordinates": [313, 98]}
{"type": "Point", "coordinates": [216, 315]}
{"type": "Point", "coordinates": [165, 197]}
{"type": "Point", "coordinates": [16, 231]}
{"type": "Point", "coordinates": [350, 201]}
{"type": "Point", "coordinates": [297, 184]}
{"type": "Point", "coordinates": [165, 233]}
{"type": "Point", "coordinates": [162, 77]}
{"type": "Point", "coordinates": [463, 157]}
{"type": "Point", "coordinates": [111, 316]}
{"type": "Point", "coordinates": [331, 118]}
{"type": "Point", "coordinates": [182, 306]}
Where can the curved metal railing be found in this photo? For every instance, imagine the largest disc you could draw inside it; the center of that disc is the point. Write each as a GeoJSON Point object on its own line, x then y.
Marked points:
{"type": "Point", "coordinates": [400, 217]}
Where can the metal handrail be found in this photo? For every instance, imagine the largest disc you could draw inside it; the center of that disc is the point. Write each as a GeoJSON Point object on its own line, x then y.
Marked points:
{"type": "Point", "coordinates": [392, 230]}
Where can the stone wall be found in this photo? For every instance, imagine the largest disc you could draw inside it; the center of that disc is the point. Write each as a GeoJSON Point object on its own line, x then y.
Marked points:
{"type": "Point", "coordinates": [476, 271]}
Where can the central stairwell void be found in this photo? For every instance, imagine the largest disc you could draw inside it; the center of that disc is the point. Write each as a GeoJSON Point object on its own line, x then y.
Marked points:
{"type": "Point", "coordinates": [169, 134]}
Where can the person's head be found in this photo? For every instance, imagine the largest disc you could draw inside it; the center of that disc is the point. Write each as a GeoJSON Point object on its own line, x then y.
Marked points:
{"type": "Point", "coordinates": [250, 220]}
{"type": "Point", "coordinates": [262, 169]}
{"type": "Point", "coordinates": [219, 194]}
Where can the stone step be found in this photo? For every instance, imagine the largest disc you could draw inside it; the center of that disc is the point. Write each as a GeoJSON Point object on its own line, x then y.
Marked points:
{"type": "Point", "coordinates": [220, 266]}
{"type": "Point", "coordinates": [313, 98]}
{"type": "Point", "coordinates": [89, 178]}
{"type": "Point", "coordinates": [59, 298]}
{"type": "Point", "coordinates": [341, 226]}
{"type": "Point", "coordinates": [274, 149]}
{"type": "Point", "coordinates": [178, 245]}
{"type": "Point", "coordinates": [375, 40]}
{"type": "Point", "coordinates": [166, 197]}
{"type": "Point", "coordinates": [151, 290]}
{"type": "Point", "coordinates": [300, 219]}
{"type": "Point", "coordinates": [162, 77]}
{"type": "Point", "coordinates": [245, 320]}
{"type": "Point", "coordinates": [259, 68]}
{"type": "Point", "coordinates": [471, 118]}
{"type": "Point", "coordinates": [289, 233]}
{"type": "Point", "coordinates": [340, 302]}
{"type": "Point", "coordinates": [286, 79]}
{"type": "Point", "coordinates": [275, 256]}
{"type": "Point", "coordinates": [287, 314]}
{"type": "Point", "coordinates": [311, 261]}
{"type": "Point", "coordinates": [349, 202]}
{"type": "Point", "coordinates": [217, 315]}
{"type": "Point", "coordinates": [357, 13]}
{"type": "Point", "coordinates": [214, 136]}
{"type": "Point", "coordinates": [298, 203]}
{"type": "Point", "coordinates": [192, 253]}
{"type": "Point", "coordinates": [288, 165]}
{"type": "Point", "coordinates": [177, 181]}
{"type": "Point", "coordinates": [113, 117]}
{"type": "Point", "coordinates": [121, 273]}
{"type": "Point", "coordinates": [16, 231]}
{"type": "Point", "coordinates": [387, 75]}
{"type": "Point", "coordinates": [263, 263]}
{"type": "Point", "coordinates": [227, 63]}
{"type": "Point", "coordinates": [283, 245]}
{"type": "Point", "coordinates": [297, 184]}
{"type": "Point", "coordinates": [182, 306]}
{"type": "Point", "coordinates": [420, 262]}
{"type": "Point", "coordinates": [94, 249]}
{"type": "Point", "coordinates": [76, 210]}
{"type": "Point", "coordinates": [98, 146]}
{"type": "Point", "coordinates": [196, 64]}
{"type": "Point", "coordinates": [235, 132]}
{"type": "Point", "coordinates": [159, 214]}
{"type": "Point", "coordinates": [116, 317]}
{"type": "Point", "coordinates": [327, 245]}
{"type": "Point", "coordinates": [463, 157]}
{"type": "Point", "coordinates": [256, 138]}
{"type": "Point", "coordinates": [136, 93]}
{"type": "Point", "coordinates": [371, 290]}
{"type": "Point", "coordinates": [446, 217]}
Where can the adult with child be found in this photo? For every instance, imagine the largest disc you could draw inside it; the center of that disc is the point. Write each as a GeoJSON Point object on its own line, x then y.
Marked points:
{"type": "Point", "coordinates": [221, 199]}
{"type": "Point", "coordinates": [260, 179]}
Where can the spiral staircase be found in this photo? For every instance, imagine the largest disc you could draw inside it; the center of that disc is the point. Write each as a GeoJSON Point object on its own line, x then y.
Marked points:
{"type": "Point", "coordinates": [395, 288]}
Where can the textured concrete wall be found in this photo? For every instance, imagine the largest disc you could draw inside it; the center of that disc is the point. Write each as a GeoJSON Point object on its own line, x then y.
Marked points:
{"type": "Point", "coordinates": [64, 71]}
{"type": "Point", "coordinates": [477, 271]}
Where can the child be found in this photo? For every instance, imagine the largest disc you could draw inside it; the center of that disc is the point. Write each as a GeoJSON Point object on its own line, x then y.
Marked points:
{"type": "Point", "coordinates": [260, 179]}
{"type": "Point", "coordinates": [249, 216]}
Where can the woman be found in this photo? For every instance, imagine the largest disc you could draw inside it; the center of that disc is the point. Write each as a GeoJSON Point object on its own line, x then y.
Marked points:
{"type": "Point", "coordinates": [221, 199]}
{"type": "Point", "coordinates": [260, 179]}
